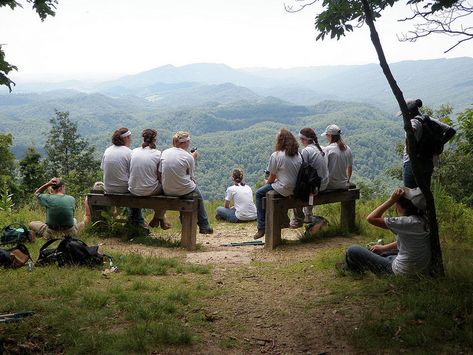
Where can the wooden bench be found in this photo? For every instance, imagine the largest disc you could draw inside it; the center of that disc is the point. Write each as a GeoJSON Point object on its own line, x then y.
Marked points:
{"type": "Point", "coordinates": [186, 205]}
{"type": "Point", "coordinates": [276, 207]}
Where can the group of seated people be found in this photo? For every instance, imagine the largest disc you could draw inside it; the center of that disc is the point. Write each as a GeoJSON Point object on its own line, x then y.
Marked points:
{"type": "Point", "coordinates": [146, 171]}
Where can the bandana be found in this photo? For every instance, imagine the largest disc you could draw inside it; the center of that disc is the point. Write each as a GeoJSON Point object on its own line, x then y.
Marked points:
{"type": "Point", "coordinates": [183, 140]}
{"type": "Point", "coordinates": [126, 134]}
{"type": "Point", "coordinates": [304, 137]}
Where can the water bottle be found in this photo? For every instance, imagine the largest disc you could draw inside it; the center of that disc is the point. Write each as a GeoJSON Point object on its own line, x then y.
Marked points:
{"type": "Point", "coordinates": [29, 265]}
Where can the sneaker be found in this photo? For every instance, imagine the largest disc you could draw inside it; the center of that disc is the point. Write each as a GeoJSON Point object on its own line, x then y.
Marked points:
{"type": "Point", "coordinates": [342, 267]}
{"type": "Point", "coordinates": [259, 234]}
{"type": "Point", "coordinates": [307, 219]}
{"type": "Point", "coordinates": [207, 230]}
{"type": "Point", "coordinates": [295, 224]}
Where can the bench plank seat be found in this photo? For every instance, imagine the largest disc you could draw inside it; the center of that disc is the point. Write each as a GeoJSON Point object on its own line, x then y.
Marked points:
{"type": "Point", "coordinates": [187, 205]}
{"type": "Point", "coordinates": [276, 207]}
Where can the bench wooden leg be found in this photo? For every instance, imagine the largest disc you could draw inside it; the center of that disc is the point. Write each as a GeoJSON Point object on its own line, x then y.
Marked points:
{"type": "Point", "coordinates": [274, 208]}
{"type": "Point", "coordinates": [189, 230]}
{"type": "Point", "coordinates": [347, 215]}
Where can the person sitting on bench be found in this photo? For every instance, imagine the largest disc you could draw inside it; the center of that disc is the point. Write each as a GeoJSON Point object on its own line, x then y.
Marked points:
{"type": "Point", "coordinates": [244, 208]}
{"type": "Point", "coordinates": [339, 159]}
{"type": "Point", "coordinates": [145, 179]}
{"type": "Point", "coordinates": [178, 170]}
{"type": "Point", "coordinates": [60, 209]}
{"type": "Point", "coordinates": [284, 165]}
{"type": "Point", "coordinates": [410, 253]}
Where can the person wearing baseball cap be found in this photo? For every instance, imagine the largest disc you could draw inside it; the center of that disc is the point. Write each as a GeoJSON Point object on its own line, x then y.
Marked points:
{"type": "Point", "coordinates": [339, 159]}
{"type": "Point", "coordinates": [410, 253]}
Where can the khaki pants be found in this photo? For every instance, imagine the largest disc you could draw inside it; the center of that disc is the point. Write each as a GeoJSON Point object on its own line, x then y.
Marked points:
{"type": "Point", "coordinates": [42, 230]}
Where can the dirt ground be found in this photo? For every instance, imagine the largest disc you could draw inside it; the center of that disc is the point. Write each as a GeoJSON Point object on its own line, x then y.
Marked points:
{"type": "Point", "coordinates": [261, 308]}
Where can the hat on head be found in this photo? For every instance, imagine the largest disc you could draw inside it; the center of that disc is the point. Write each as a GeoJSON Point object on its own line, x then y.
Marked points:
{"type": "Point", "coordinates": [412, 104]}
{"type": "Point", "coordinates": [333, 130]}
{"type": "Point", "coordinates": [416, 197]}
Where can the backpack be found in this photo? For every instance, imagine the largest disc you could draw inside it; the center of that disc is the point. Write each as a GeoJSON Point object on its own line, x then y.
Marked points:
{"type": "Point", "coordinates": [432, 140]}
{"type": "Point", "coordinates": [70, 251]}
{"type": "Point", "coordinates": [308, 181]}
{"type": "Point", "coordinates": [15, 233]}
{"type": "Point", "coordinates": [14, 257]}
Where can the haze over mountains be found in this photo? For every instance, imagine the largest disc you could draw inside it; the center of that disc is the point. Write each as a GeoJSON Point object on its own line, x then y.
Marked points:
{"type": "Point", "coordinates": [233, 115]}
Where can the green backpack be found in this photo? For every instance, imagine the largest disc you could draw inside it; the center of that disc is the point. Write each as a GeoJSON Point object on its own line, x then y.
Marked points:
{"type": "Point", "coordinates": [15, 233]}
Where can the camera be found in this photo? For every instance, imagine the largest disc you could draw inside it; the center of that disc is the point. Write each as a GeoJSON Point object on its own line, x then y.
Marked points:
{"type": "Point", "coordinates": [266, 174]}
{"type": "Point", "coordinates": [193, 149]}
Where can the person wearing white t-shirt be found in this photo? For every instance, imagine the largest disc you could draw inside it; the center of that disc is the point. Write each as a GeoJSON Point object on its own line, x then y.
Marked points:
{"type": "Point", "coordinates": [411, 252]}
{"type": "Point", "coordinates": [241, 194]}
{"type": "Point", "coordinates": [339, 159]}
{"type": "Point", "coordinates": [177, 175]}
{"type": "Point", "coordinates": [116, 169]}
{"type": "Point", "coordinates": [284, 165]}
{"type": "Point", "coordinates": [315, 156]}
{"type": "Point", "coordinates": [145, 179]}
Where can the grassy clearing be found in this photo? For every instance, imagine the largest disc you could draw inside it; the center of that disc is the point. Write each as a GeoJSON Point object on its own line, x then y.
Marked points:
{"type": "Point", "coordinates": [151, 303]}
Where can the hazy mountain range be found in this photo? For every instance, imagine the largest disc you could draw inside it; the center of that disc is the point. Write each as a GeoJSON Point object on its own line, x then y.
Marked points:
{"type": "Point", "coordinates": [233, 115]}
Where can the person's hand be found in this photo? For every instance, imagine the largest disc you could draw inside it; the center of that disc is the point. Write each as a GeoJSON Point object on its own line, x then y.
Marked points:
{"type": "Point", "coordinates": [397, 194]}
{"type": "Point", "coordinates": [54, 181]}
{"type": "Point", "coordinates": [377, 249]}
{"type": "Point", "coordinates": [195, 154]}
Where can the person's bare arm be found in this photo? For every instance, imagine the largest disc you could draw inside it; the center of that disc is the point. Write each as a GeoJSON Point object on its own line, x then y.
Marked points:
{"type": "Point", "coordinates": [43, 187]}
{"type": "Point", "coordinates": [379, 249]}
{"type": "Point", "coordinates": [376, 216]}
{"type": "Point", "coordinates": [271, 178]}
{"type": "Point", "coordinates": [349, 172]}
{"type": "Point", "coordinates": [226, 204]}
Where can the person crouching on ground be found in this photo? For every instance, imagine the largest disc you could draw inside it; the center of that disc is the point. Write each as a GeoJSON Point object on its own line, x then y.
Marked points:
{"type": "Point", "coordinates": [60, 209]}
{"type": "Point", "coordinates": [284, 165]}
{"type": "Point", "coordinates": [145, 179]}
{"type": "Point", "coordinates": [241, 194]}
{"type": "Point", "coordinates": [177, 173]}
{"type": "Point", "coordinates": [410, 253]}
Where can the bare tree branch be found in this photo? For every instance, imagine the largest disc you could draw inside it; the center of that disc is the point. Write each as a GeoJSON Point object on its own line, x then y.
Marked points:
{"type": "Point", "coordinates": [301, 4]}
{"type": "Point", "coordinates": [447, 22]}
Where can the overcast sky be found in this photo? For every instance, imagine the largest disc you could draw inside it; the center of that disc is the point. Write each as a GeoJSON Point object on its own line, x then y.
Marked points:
{"type": "Point", "coordinates": [97, 39]}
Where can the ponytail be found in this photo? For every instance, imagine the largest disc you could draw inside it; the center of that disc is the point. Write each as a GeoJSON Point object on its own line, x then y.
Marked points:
{"type": "Point", "coordinates": [338, 139]}
{"type": "Point", "coordinates": [149, 138]}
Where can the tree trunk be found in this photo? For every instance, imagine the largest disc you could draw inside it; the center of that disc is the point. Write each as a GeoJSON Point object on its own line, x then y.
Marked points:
{"type": "Point", "coordinates": [436, 252]}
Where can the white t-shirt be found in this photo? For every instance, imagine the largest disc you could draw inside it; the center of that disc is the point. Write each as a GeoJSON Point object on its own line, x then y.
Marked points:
{"type": "Point", "coordinates": [417, 126]}
{"type": "Point", "coordinates": [116, 168]}
{"type": "Point", "coordinates": [413, 242]}
{"type": "Point", "coordinates": [177, 172]}
{"type": "Point", "coordinates": [242, 196]}
{"type": "Point", "coordinates": [338, 162]}
{"type": "Point", "coordinates": [286, 169]}
{"type": "Point", "coordinates": [312, 155]}
{"type": "Point", "coordinates": [144, 172]}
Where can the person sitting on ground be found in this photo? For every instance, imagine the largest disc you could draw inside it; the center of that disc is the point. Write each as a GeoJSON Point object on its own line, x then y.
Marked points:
{"type": "Point", "coordinates": [315, 156]}
{"type": "Point", "coordinates": [427, 163]}
{"type": "Point", "coordinates": [284, 165]}
{"type": "Point", "coordinates": [410, 253]}
{"type": "Point", "coordinates": [145, 178]}
{"type": "Point", "coordinates": [116, 170]}
{"type": "Point", "coordinates": [60, 209]}
{"type": "Point", "coordinates": [178, 175]}
{"type": "Point", "coordinates": [242, 196]}
{"type": "Point", "coordinates": [339, 159]}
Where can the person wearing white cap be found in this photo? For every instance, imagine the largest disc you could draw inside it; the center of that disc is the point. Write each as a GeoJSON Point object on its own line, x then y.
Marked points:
{"type": "Point", "coordinates": [116, 169]}
{"type": "Point", "coordinates": [178, 175]}
{"type": "Point", "coordinates": [427, 163]}
{"type": "Point", "coordinates": [410, 253]}
{"type": "Point", "coordinates": [339, 159]}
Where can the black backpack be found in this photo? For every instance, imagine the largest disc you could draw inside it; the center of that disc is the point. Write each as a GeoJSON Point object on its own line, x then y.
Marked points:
{"type": "Point", "coordinates": [432, 140]}
{"type": "Point", "coordinates": [70, 251]}
{"type": "Point", "coordinates": [15, 233]}
{"type": "Point", "coordinates": [308, 181]}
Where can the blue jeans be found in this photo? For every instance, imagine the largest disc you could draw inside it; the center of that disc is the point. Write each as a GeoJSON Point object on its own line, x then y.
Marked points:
{"type": "Point", "coordinates": [261, 215]}
{"type": "Point", "coordinates": [360, 259]}
{"type": "Point", "coordinates": [227, 214]}
{"type": "Point", "coordinates": [408, 176]}
{"type": "Point", "coordinates": [202, 218]}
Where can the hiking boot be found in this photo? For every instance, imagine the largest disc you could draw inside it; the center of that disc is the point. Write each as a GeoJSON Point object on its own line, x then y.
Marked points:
{"type": "Point", "coordinates": [307, 219]}
{"type": "Point", "coordinates": [207, 230]}
{"type": "Point", "coordinates": [295, 224]}
{"type": "Point", "coordinates": [259, 234]}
